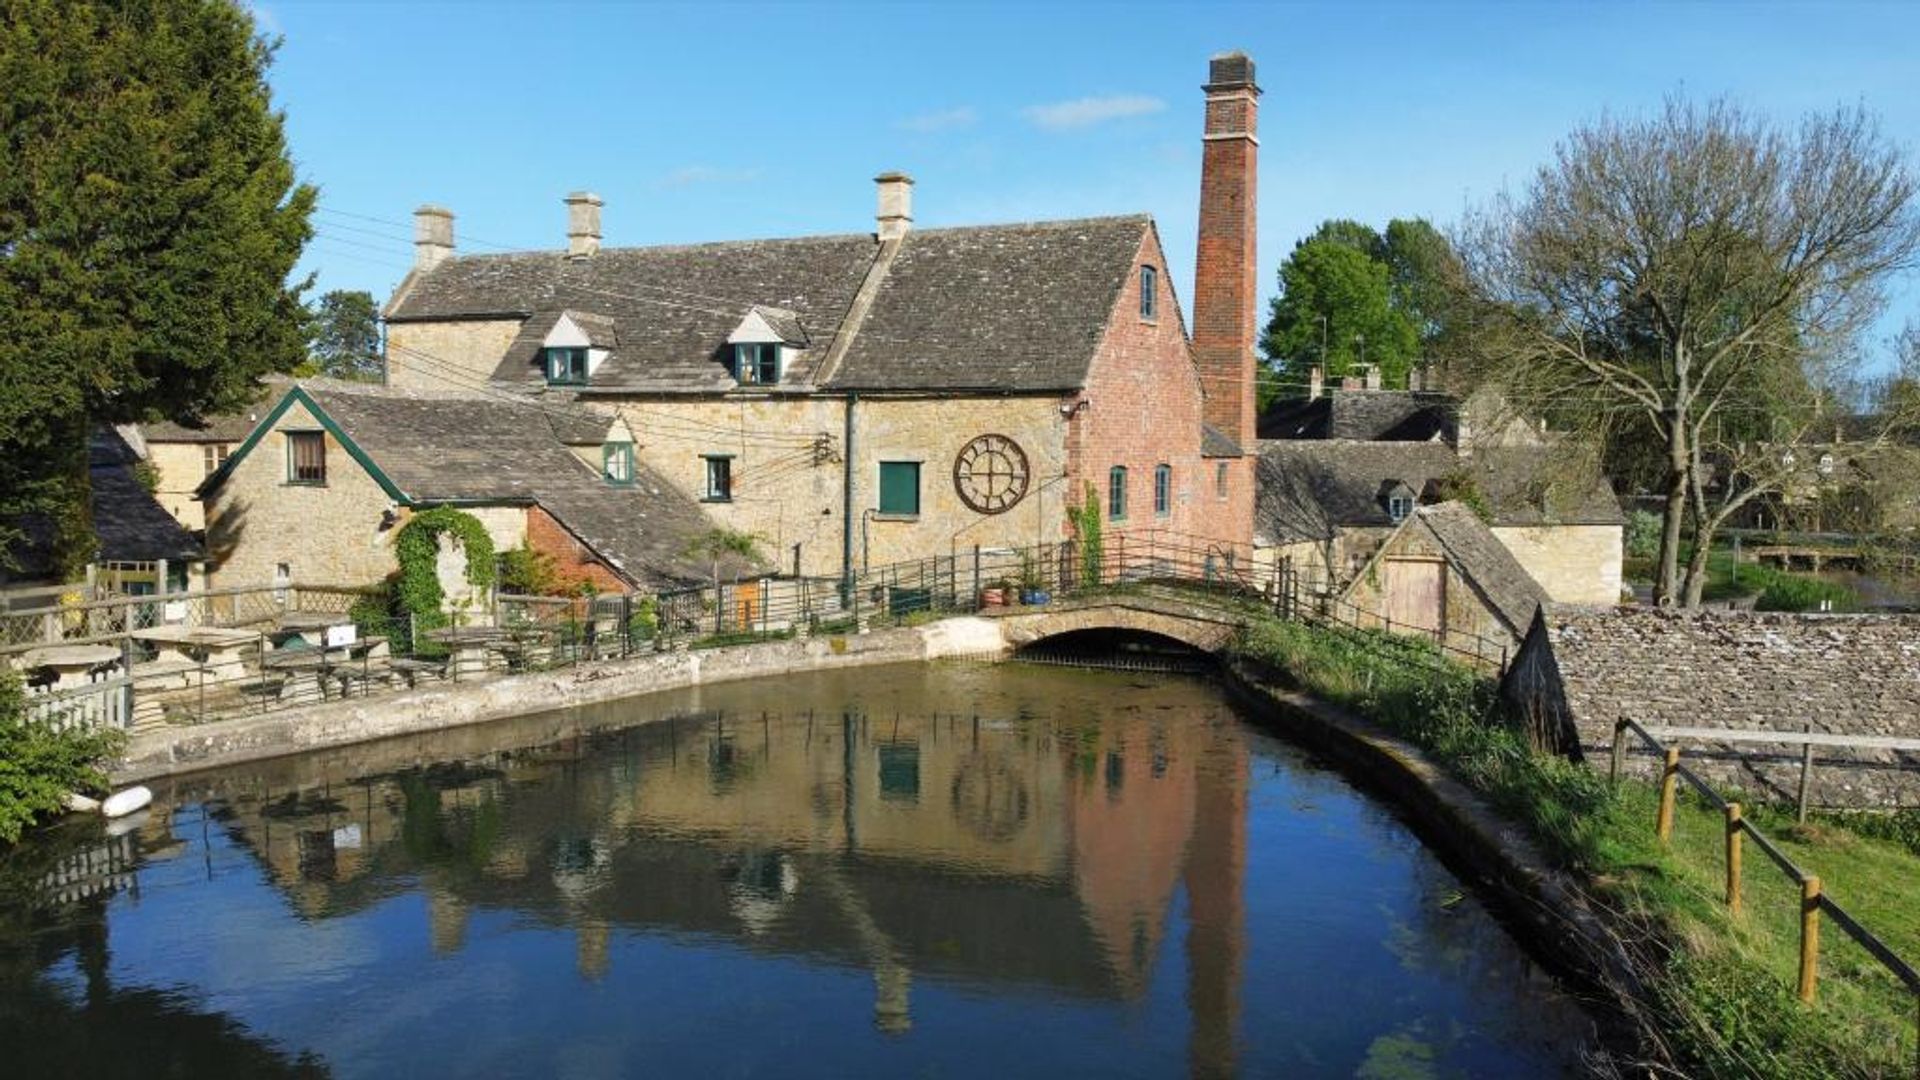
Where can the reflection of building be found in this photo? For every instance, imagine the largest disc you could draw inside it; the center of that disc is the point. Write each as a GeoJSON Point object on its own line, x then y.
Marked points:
{"type": "Point", "coordinates": [982, 850]}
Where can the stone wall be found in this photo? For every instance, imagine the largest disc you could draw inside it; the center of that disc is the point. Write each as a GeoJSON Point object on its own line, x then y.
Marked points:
{"type": "Point", "coordinates": [325, 534]}
{"type": "Point", "coordinates": [182, 466]}
{"type": "Point", "coordinates": [456, 354]}
{"type": "Point", "coordinates": [1575, 564]}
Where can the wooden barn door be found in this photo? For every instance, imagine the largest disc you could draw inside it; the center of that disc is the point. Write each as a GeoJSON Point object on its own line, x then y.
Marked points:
{"type": "Point", "coordinates": [1417, 595]}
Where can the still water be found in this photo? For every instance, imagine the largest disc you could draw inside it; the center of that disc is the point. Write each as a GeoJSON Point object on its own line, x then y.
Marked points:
{"type": "Point", "coordinates": [915, 871]}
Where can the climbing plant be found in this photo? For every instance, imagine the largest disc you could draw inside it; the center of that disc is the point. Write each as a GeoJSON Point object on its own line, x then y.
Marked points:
{"type": "Point", "coordinates": [1088, 530]}
{"type": "Point", "coordinates": [417, 547]}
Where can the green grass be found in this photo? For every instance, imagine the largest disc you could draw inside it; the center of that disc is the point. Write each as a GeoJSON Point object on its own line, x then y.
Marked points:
{"type": "Point", "coordinates": [1778, 590]}
{"type": "Point", "coordinates": [1725, 984]}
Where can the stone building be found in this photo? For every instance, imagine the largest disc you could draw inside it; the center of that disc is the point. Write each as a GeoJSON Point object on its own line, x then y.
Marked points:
{"type": "Point", "coordinates": [870, 398]}
{"type": "Point", "coordinates": [185, 454]}
{"type": "Point", "coordinates": [1443, 574]}
{"type": "Point", "coordinates": [318, 489]}
{"type": "Point", "coordinates": [1580, 671]}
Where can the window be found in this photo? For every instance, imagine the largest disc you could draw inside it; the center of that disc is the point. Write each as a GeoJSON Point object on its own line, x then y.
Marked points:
{"type": "Point", "coordinates": [1399, 506]}
{"type": "Point", "coordinates": [1149, 295]}
{"type": "Point", "coordinates": [617, 459]}
{"type": "Point", "coordinates": [900, 488]}
{"type": "Point", "coordinates": [719, 479]}
{"type": "Point", "coordinates": [756, 363]}
{"type": "Point", "coordinates": [1117, 492]}
{"type": "Point", "coordinates": [1162, 490]}
{"type": "Point", "coordinates": [214, 455]}
{"type": "Point", "coordinates": [566, 366]}
{"type": "Point", "coordinates": [306, 457]}
{"type": "Point", "coordinates": [1219, 479]}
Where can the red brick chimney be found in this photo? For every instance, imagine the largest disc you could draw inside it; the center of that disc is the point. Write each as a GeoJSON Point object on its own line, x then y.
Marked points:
{"type": "Point", "coordinates": [1224, 285]}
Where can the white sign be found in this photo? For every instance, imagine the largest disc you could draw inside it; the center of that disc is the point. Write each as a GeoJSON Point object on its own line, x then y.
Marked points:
{"type": "Point", "coordinates": [339, 637]}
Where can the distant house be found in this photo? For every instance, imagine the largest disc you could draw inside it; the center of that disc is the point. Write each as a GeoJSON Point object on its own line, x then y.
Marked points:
{"type": "Point", "coordinates": [1580, 671]}
{"type": "Point", "coordinates": [184, 455]}
{"type": "Point", "coordinates": [1324, 506]}
{"type": "Point", "coordinates": [1442, 574]}
{"type": "Point", "coordinates": [142, 549]}
{"type": "Point", "coordinates": [316, 492]}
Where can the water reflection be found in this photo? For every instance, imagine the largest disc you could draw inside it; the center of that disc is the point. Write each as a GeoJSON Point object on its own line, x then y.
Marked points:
{"type": "Point", "coordinates": [1075, 846]}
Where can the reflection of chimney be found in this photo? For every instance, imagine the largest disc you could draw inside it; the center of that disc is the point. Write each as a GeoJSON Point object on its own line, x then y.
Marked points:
{"type": "Point", "coordinates": [892, 998]}
{"type": "Point", "coordinates": [1216, 866]}
{"type": "Point", "coordinates": [583, 223]}
{"type": "Point", "coordinates": [896, 204]}
{"type": "Point", "coordinates": [590, 948]}
{"type": "Point", "coordinates": [446, 920]}
{"type": "Point", "coordinates": [432, 236]}
{"type": "Point", "coordinates": [1225, 286]}
{"type": "Point", "coordinates": [1316, 383]}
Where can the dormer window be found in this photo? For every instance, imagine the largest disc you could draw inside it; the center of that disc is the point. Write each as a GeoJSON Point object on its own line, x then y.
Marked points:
{"type": "Point", "coordinates": [566, 365]}
{"type": "Point", "coordinates": [617, 463]}
{"type": "Point", "coordinates": [756, 363]}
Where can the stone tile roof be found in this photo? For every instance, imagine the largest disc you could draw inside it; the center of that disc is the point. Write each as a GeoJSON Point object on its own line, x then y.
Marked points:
{"type": "Point", "coordinates": [1215, 443]}
{"type": "Point", "coordinates": [1309, 489]}
{"type": "Point", "coordinates": [1378, 415]}
{"type": "Point", "coordinates": [480, 450]}
{"type": "Point", "coordinates": [130, 524]}
{"type": "Point", "coordinates": [999, 307]}
{"type": "Point", "coordinates": [1486, 564]}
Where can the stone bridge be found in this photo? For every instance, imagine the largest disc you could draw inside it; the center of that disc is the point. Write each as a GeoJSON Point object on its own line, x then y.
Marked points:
{"type": "Point", "coordinates": [1207, 628]}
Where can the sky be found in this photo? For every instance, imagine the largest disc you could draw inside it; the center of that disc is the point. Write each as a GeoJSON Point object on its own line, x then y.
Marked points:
{"type": "Point", "coordinates": [733, 121]}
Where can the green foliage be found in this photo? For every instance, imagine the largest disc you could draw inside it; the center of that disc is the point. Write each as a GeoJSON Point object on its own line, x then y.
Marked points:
{"type": "Point", "coordinates": [417, 547]}
{"type": "Point", "coordinates": [718, 543]}
{"type": "Point", "coordinates": [528, 572]}
{"type": "Point", "coordinates": [1350, 295]}
{"type": "Point", "coordinates": [39, 766]}
{"type": "Point", "coordinates": [644, 623]}
{"type": "Point", "coordinates": [343, 336]}
{"type": "Point", "coordinates": [1643, 535]}
{"type": "Point", "coordinates": [147, 474]}
{"type": "Point", "coordinates": [149, 217]}
{"type": "Point", "coordinates": [1089, 529]}
{"type": "Point", "coordinates": [1463, 487]}
{"type": "Point", "coordinates": [1778, 590]}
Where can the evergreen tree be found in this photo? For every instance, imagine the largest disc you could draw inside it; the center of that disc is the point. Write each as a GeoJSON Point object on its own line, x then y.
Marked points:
{"type": "Point", "coordinates": [149, 219]}
{"type": "Point", "coordinates": [343, 335]}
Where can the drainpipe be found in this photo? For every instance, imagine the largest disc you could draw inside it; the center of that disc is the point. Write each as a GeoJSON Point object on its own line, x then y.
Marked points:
{"type": "Point", "coordinates": [846, 508]}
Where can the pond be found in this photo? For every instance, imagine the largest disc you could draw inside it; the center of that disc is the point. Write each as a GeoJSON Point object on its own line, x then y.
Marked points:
{"type": "Point", "coordinates": [945, 870]}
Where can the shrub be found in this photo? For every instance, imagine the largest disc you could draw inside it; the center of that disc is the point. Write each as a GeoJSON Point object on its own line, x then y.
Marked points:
{"type": "Point", "coordinates": [38, 765]}
{"type": "Point", "coordinates": [1643, 535]}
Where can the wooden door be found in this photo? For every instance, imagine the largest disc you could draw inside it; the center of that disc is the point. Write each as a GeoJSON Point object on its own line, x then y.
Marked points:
{"type": "Point", "coordinates": [1416, 595]}
{"type": "Point", "coordinates": [746, 604]}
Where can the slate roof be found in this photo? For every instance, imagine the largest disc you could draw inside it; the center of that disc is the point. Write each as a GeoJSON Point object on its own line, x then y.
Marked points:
{"type": "Point", "coordinates": [227, 427]}
{"type": "Point", "coordinates": [1510, 592]}
{"type": "Point", "coordinates": [1310, 489]}
{"type": "Point", "coordinates": [1000, 307]}
{"type": "Point", "coordinates": [1378, 415]}
{"type": "Point", "coordinates": [1215, 443]}
{"type": "Point", "coordinates": [130, 524]}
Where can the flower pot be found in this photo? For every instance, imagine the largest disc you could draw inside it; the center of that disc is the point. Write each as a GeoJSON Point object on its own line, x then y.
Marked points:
{"type": "Point", "coordinates": [993, 598]}
{"type": "Point", "coordinates": [1035, 596]}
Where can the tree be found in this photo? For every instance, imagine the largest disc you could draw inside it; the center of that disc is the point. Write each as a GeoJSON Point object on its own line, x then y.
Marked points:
{"type": "Point", "coordinates": [1424, 276]}
{"type": "Point", "coordinates": [1335, 310]}
{"type": "Point", "coordinates": [343, 335]}
{"type": "Point", "coordinates": [716, 544]}
{"type": "Point", "coordinates": [1703, 274]}
{"type": "Point", "coordinates": [149, 220]}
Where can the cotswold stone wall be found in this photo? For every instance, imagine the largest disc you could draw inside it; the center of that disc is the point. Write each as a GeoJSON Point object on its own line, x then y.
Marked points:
{"type": "Point", "coordinates": [182, 466]}
{"type": "Point", "coordinates": [1576, 564]}
{"type": "Point", "coordinates": [325, 534]}
{"type": "Point", "coordinates": [451, 355]}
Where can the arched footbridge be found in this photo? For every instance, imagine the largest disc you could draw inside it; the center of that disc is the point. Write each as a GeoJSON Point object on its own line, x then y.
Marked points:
{"type": "Point", "coordinates": [1168, 621]}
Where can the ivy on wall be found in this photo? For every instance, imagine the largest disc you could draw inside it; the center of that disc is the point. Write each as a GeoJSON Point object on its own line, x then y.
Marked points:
{"type": "Point", "coordinates": [417, 547]}
{"type": "Point", "coordinates": [1088, 530]}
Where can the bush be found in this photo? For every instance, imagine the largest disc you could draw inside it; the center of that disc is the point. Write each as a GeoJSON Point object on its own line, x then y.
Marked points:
{"type": "Point", "coordinates": [1643, 535]}
{"type": "Point", "coordinates": [38, 765]}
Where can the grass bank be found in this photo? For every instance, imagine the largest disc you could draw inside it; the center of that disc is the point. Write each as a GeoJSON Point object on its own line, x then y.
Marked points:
{"type": "Point", "coordinates": [1724, 984]}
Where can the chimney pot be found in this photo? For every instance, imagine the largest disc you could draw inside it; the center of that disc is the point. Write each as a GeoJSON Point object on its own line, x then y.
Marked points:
{"type": "Point", "coordinates": [432, 236]}
{"type": "Point", "coordinates": [896, 204]}
{"type": "Point", "coordinates": [1230, 71]}
{"type": "Point", "coordinates": [583, 223]}
{"type": "Point", "coordinates": [1373, 376]}
{"type": "Point", "coordinates": [1316, 383]}
{"type": "Point", "coordinates": [1351, 382]}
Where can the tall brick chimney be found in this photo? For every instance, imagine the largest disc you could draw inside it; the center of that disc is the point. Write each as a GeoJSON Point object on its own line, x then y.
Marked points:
{"type": "Point", "coordinates": [432, 236]}
{"type": "Point", "coordinates": [1225, 279]}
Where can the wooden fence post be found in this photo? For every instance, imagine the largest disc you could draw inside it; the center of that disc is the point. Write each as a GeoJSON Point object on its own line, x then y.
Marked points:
{"type": "Point", "coordinates": [1669, 781]}
{"type": "Point", "coordinates": [1733, 857]}
{"type": "Point", "coordinates": [1809, 936]}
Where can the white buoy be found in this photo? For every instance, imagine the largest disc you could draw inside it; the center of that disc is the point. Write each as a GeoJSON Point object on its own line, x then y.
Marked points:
{"type": "Point", "coordinates": [122, 803]}
{"type": "Point", "coordinates": [80, 804]}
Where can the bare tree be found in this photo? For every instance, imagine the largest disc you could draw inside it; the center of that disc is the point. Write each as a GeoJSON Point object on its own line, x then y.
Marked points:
{"type": "Point", "coordinates": [1699, 275]}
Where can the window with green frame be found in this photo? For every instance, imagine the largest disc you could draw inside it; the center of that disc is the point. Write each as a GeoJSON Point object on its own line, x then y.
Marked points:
{"type": "Point", "coordinates": [1149, 293]}
{"type": "Point", "coordinates": [756, 362]}
{"type": "Point", "coordinates": [1117, 492]}
{"type": "Point", "coordinates": [617, 463]}
{"type": "Point", "coordinates": [1162, 490]}
{"type": "Point", "coordinates": [566, 365]}
{"type": "Point", "coordinates": [900, 488]}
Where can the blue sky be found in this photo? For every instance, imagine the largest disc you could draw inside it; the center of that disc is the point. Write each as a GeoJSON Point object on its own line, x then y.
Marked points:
{"type": "Point", "coordinates": [729, 121]}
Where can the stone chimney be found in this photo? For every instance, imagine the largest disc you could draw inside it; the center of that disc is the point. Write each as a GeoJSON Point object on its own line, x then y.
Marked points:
{"type": "Point", "coordinates": [896, 204]}
{"type": "Point", "coordinates": [1316, 383]}
{"type": "Point", "coordinates": [432, 236]}
{"type": "Point", "coordinates": [583, 224]}
{"type": "Point", "coordinates": [1372, 375]}
{"type": "Point", "coordinates": [1226, 277]}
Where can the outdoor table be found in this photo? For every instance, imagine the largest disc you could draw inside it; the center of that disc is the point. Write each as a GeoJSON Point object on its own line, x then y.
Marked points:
{"type": "Point", "coordinates": [72, 665]}
{"type": "Point", "coordinates": [309, 628]}
{"type": "Point", "coordinates": [221, 651]}
{"type": "Point", "coordinates": [471, 648]}
{"type": "Point", "coordinates": [304, 670]}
